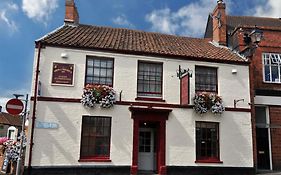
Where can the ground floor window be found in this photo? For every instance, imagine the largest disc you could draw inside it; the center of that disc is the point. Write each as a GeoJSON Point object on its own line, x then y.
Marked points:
{"type": "Point", "coordinates": [207, 141]}
{"type": "Point", "coordinates": [95, 140]}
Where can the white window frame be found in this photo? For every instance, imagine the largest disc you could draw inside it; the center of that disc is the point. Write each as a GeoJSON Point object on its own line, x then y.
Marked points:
{"type": "Point", "coordinates": [272, 58]}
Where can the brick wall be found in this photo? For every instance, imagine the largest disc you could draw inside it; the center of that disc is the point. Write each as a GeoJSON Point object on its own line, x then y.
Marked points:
{"type": "Point", "coordinates": [275, 119]}
{"type": "Point", "coordinates": [272, 44]}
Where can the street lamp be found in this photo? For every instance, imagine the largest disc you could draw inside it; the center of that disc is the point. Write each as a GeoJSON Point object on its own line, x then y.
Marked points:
{"type": "Point", "coordinates": [251, 41]}
{"type": "Point", "coordinates": [254, 37]}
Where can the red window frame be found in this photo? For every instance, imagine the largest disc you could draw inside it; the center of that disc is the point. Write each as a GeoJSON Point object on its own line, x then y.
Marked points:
{"type": "Point", "coordinates": [92, 66]}
{"type": "Point", "coordinates": [95, 129]}
{"type": "Point", "coordinates": [205, 77]}
{"type": "Point", "coordinates": [207, 144]}
{"type": "Point", "coordinates": [152, 80]}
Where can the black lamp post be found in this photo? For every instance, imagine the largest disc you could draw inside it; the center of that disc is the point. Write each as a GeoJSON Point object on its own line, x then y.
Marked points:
{"type": "Point", "coordinates": [252, 40]}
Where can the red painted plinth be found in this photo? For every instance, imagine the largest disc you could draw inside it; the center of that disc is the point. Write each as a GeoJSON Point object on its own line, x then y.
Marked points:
{"type": "Point", "coordinates": [134, 170]}
{"type": "Point", "coordinates": [163, 170]}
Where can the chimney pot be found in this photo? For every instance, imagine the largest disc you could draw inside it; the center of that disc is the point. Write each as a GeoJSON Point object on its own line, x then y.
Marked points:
{"type": "Point", "coordinates": [0, 108]}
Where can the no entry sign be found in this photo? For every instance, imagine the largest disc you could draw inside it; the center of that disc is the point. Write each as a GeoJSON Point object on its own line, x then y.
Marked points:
{"type": "Point", "coordinates": [14, 106]}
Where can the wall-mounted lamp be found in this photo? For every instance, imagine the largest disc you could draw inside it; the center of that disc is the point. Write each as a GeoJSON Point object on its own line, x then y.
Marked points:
{"type": "Point", "coordinates": [182, 72]}
{"type": "Point", "coordinates": [234, 71]}
{"type": "Point", "coordinates": [255, 36]}
{"type": "Point", "coordinates": [64, 55]}
{"type": "Point", "coordinates": [252, 40]}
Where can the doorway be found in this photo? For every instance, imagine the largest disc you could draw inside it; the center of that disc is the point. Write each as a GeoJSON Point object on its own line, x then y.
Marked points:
{"type": "Point", "coordinates": [264, 161]}
{"type": "Point", "coordinates": [149, 140]}
{"type": "Point", "coordinates": [147, 149]}
{"type": "Point", "coordinates": [263, 149]}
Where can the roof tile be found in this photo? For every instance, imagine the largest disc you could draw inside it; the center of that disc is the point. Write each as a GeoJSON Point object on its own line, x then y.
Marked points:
{"type": "Point", "coordinates": [138, 42]}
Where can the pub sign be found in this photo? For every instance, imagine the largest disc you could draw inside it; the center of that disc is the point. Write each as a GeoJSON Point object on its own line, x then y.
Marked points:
{"type": "Point", "coordinates": [62, 74]}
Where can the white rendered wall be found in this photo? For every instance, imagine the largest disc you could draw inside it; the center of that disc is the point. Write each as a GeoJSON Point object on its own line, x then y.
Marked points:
{"type": "Point", "coordinates": [230, 86]}
{"type": "Point", "coordinates": [235, 138]}
{"type": "Point", "coordinates": [54, 147]}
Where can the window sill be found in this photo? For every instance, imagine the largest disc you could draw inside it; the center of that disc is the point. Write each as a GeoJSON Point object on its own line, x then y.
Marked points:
{"type": "Point", "coordinates": [273, 82]}
{"type": "Point", "coordinates": [150, 99]}
{"type": "Point", "coordinates": [208, 161]}
{"type": "Point", "coordinates": [94, 160]}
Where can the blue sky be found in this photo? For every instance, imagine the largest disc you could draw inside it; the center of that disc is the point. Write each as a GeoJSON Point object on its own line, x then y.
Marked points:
{"type": "Point", "coordinates": [23, 21]}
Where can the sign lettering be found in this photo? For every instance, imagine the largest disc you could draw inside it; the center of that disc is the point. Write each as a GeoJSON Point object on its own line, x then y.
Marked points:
{"type": "Point", "coordinates": [62, 74]}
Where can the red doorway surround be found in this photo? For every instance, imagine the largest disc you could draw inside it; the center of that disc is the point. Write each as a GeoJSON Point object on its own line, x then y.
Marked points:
{"type": "Point", "coordinates": [150, 115]}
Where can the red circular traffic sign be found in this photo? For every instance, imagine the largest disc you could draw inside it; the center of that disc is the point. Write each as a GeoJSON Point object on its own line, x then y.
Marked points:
{"type": "Point", "coordinates": [14, 106]}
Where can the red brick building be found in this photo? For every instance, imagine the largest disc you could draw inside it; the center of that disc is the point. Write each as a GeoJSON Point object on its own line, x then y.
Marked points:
{"type": "Point", "coordinates": [265, 75]}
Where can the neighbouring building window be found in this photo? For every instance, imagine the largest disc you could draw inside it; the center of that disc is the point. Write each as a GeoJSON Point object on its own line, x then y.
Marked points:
{"type": "Point", "coordinates": [95, 140]}
{"type": "Point", "coordinates": [150, 77]}
{"type": "Point", "coordinates": [99, 70]}
{"type": "Point", "coordinates": [272, 66]}
{"type": "Point", "coordinates": [207, 141]}
{"type": "Point", "coordinates": [206, 79]}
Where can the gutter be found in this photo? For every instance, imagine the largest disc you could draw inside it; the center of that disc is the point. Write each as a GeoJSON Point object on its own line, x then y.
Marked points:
{"type": "Point", "coordinates": [38, 45]}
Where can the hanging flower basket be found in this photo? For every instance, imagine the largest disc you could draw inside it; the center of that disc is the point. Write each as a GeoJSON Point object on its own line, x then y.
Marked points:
{"type": "Point", "coordinates": [204, 101]}
{"type": "Point", "coordinates": [98, 94]}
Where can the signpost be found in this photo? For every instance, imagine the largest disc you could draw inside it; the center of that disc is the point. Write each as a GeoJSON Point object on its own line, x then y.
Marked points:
{"type": "Point", "coordinates": [14, 106]}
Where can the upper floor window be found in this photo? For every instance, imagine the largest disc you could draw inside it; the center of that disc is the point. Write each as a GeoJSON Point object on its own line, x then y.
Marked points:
{"type": "Point", "coordinates": [150, 77]}
{"type": "Point", "coordinates": [95, 140]}
{"type": "Point", "coordinates": [272, 67]}
{"type": "Point", "coordinates": [207, 141]}
{"type": "Point", "coordinates": [99, 70]}
{"type": "Point", "coordinates": [206, 79]}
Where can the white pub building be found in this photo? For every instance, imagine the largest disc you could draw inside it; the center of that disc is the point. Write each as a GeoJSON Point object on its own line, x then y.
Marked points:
{"type": "Point", "coordinates": [112, 101]}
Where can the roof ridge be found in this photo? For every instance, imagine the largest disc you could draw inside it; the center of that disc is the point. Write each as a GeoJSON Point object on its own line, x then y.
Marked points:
{"type": "Point", "coordinates": [275, 18]}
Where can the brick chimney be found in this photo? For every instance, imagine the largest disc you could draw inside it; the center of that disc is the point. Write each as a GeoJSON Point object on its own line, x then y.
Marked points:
{"type": "Point", "coordinates": [219, 23]}
{"type": "Point", "coordinates": [71, 13]}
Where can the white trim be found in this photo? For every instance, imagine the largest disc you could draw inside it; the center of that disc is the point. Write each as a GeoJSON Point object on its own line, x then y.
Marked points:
{"type": "Point", "coordinates": [267, 100]}
{"type": "Point", "coordinates": [276, 56]}
{"type": "Point", "coordinates": [45, 36]}
{"type": "Point", "coordinates": [269, 137]}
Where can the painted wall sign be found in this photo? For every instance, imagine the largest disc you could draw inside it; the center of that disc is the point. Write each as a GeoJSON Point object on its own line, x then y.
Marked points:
{"type": "Point", "coordinates": [46, 125]}
{"type": "Point", "coordinates": [62, 74]}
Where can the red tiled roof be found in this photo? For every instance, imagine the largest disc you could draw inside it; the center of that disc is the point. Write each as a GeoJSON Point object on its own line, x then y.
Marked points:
{"type": "Point", "coordinates": [236, 21]}
{"type": "Point", "coordinates": [138, 42]}
{"type": "Point", "coordinates": [8, 119]}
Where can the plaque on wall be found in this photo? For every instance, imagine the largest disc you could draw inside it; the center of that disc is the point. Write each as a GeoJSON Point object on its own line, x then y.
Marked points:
{"type": "Point", "coordinates": [62, 74]}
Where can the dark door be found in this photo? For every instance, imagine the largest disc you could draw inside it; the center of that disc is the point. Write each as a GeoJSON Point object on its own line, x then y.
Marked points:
{"type": "Point", "coordinates": [263, 148]}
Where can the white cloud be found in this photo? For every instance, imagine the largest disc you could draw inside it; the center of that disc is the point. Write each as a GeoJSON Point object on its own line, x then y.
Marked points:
{"type": "Point", "coordinates": [10, 23]}
{"type": "Point", "coordinates": [270, 9]}
{"type": "Point", "coordinates": [12, 6]}
{"type": "Point", "coordinates": [3, 102]}
{"type": "Point", "coordinates": [39, 10]}
{"type": "Point", "coordinates": [163, 20]}
{"type": "Point", "coordinates": [6, 13]}
{"type": "Point", "coordinates": [189, 20]}
{"type": "Point", "coordinates": [122, 21]}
